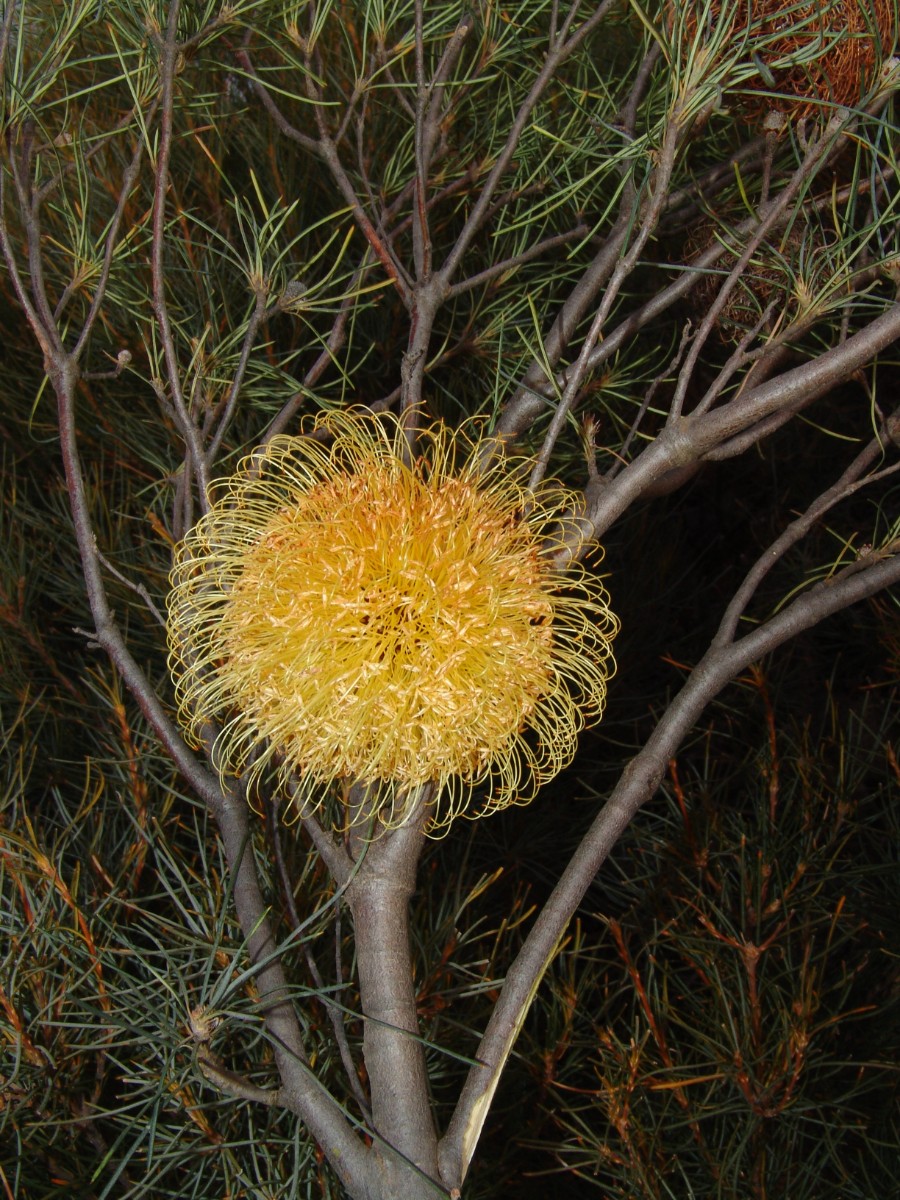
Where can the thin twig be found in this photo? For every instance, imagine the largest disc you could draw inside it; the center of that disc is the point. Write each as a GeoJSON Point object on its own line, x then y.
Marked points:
{"type": "Point", "coordinates": [47, 344]}
{"type": "Point", "coordinates": [659, 187]}
{"type": "Point", "coordinates": [186, 426]}
{"type": "Point", "coordinates": [448, 59]}
{"type": "Point", "coordinates": [703, 437]}
{"type": "Point", "coordinates": [817, 152]}
{"type": "Point", "coordinates": [627, 115]}
{"type": "Point", "coordinates": [424, 144]}
{"type": "Point", "coordinates": [333, 1010]}
{"type": "Point", "coordinates": [850, 482]}
{"type": "Point", "coordinates": [257, 317]}
{"type": "Point", "coordinates": [129, 178]}
{"type": "Point", "coordinates": [9, 15]}
{"type": "Point", "coordinates": [336, 338]}
{"type": "Point", "coordinates": [137, 588]}
{"type": "Point", "coordinates": [234, 1085]}
{"type": "Point", "coordinates": [508, 265]}
{"type": "Point", "coordinates": [29, 205]}
{"type": "Point", "coordinates": [534, 392]}
{"type": "Point", "coordinates": [531, 396]}
{"type": "Point", "coordinates": [303, 140]}
{"type": "Point", "coordinates": [651, 391]}
{"type": "Point", "coordinates": [558, 53]}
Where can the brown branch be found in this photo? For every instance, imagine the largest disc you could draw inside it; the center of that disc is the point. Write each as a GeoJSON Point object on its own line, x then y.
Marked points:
{"type": "Point", "coordinates": [20, 162]}
{"type": "Point", "coordinates": [336, 339]}
{"type": "Point", "coordinates": [48, 344]}
{"type": "Point", "coordinates": [528, 401]}
{"type": "Point", "coordinates": [327, 150]}
{"type": "Point", "coordinates": [300, 1090]}
{"type": "Point", "coordinates": [533, 394]}
{"type": "Point", "coordinates": [234, 1085]}
{"type": "Point", "coordinates": [284, 126]}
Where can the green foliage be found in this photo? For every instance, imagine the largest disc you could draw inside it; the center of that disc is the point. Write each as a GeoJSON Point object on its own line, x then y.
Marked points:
{"type": "Point", "coordinates": [118, 939]}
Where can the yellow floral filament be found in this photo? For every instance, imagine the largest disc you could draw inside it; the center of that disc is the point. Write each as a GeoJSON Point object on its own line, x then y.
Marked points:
{"type": "Point", "coordinates": [346, 617]}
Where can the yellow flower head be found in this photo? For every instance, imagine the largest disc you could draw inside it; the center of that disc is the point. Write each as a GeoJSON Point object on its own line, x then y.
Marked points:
{"type": "Point", "coordinates": [344, 616]}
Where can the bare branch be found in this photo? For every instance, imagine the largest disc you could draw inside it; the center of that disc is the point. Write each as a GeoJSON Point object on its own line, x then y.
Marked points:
{"type": "Point", "coordinates": [20, 161]}
{"type": "Point", "coordinates": [529, 399]}
{"type": "Point", "coordinates": [303, 140]}
{"type": "Point", "coordinates": [638, 784]}
{"type": "Point", "coordinates": [556, 55]}
{"type": "Point", "coordinates": [536, 250]}
{"type": "Point", "coordinates": [234, 1085]}
{"type": "Point", "coordinates": [710, 435]}
{"type": "Point", "coordinates": [659, 187]}
{"type": "Point", "coordinates": [851, 481]}
{"type": "Point", "coordinates": [797, 388]}
{"type": "Point", "coordinates": [817, 151]}
{"type": "Point", "coordinates": [451, 53]}
{"type": "Point", "coordinates": [187, 428]}
{"type": "Point", "coordinates": [129, 178]}
{"type": "Point", "coordinates": [137, 588]}
{"type": "Point", "coordinates": [333, 1010]}
{"type": "Point", "coordinates": [424, 145]}
{"type": "Point", "coordinates": [9, 15]}
{"type": "Point", "coordinates": [379, 900]}
{"type": "Point", "coordinates": [257, 317]}
{"type": "Point", "coordinates": [300, 1091]}
{"type": "Point", "coordinates": [63, 375]}
{"type": "Point", "coordinates": [45, 337]}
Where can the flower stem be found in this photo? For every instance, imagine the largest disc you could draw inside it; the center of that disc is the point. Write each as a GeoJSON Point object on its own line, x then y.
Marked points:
{"type": "Point", "coordinates": [406, 1145]}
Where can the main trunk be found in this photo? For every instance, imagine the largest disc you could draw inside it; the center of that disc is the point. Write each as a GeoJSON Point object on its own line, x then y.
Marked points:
{"type": "Point", "coordinates": [405, 1147]}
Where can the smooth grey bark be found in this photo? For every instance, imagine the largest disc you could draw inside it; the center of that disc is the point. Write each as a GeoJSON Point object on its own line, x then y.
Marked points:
{"type": "Point", "coordinates": [403, 1157]}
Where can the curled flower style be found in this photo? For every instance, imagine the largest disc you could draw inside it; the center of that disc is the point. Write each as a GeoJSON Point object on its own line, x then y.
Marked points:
{"type": "Point", "coordinates": [346, 616]}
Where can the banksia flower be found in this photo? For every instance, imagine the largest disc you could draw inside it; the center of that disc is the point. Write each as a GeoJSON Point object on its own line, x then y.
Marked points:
{"type": "Point", "coordinates": [346, 616]}
{"type": "Point", "coordinates": [832, 50]}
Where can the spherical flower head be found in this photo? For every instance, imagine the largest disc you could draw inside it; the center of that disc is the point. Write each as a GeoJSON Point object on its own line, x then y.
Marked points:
{"type": "Point", "coordinates": [344, 615]}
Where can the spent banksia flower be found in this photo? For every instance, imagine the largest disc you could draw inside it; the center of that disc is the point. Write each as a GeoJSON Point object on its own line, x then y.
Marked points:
{"type": "Point", "coordinates": [346, 616]}
{"type": "Point", "coordinates": [807, 54]}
